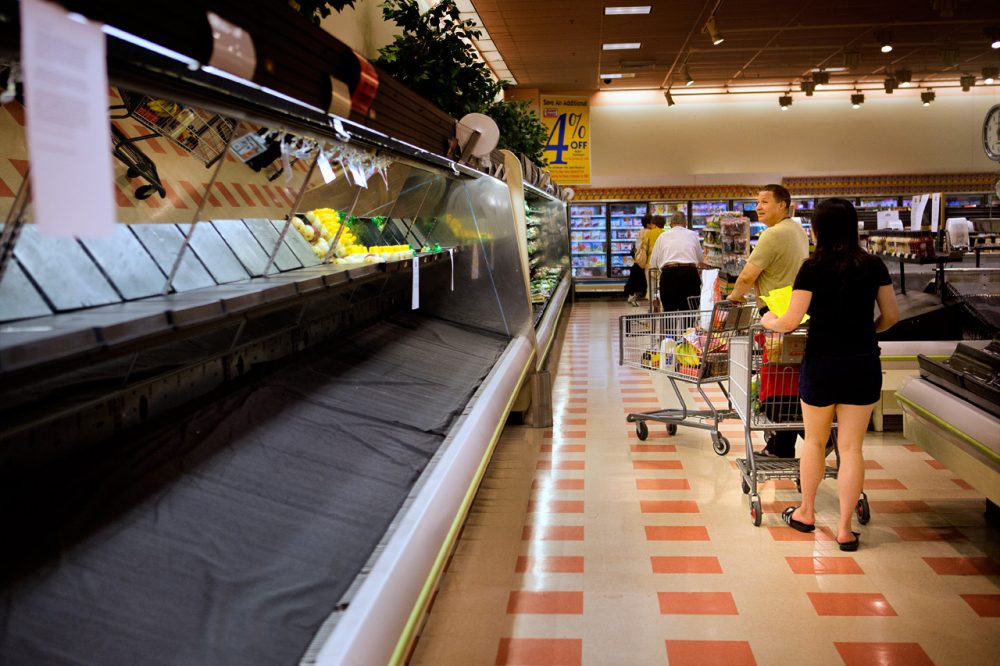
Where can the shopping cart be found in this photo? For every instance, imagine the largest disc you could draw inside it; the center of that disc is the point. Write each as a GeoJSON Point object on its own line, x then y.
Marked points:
{"type": "Point", "coordinates": [137, 163]}
{"type": "Point", "coordinates": [690, 347]}
{"type": "Point", "coordinates": [764, 387]}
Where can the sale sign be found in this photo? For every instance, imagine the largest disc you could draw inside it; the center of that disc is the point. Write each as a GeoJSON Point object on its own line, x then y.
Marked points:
{"type": "Point", "coordinates": [567, 121]}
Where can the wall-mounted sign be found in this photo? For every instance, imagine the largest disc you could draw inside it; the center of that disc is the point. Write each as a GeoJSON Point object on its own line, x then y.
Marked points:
{"type": "Point", "coordinates": [567, 121]}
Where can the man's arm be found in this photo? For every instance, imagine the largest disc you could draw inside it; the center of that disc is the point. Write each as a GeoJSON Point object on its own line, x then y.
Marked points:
{"type": "Point", "coordinates": [746, 280]}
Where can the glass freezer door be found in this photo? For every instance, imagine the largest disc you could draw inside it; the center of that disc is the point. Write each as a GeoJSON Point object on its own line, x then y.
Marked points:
{"type": "Point", "coordinates": [626, 221]}
{"type": "Point", "coordinates": [588, 239]}
{"type": "Point", "coordinates": [702, 210]}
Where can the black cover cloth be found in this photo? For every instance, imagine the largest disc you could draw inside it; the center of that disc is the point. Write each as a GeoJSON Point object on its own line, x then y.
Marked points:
{"type": "Point", "coordinates": [228, 535]}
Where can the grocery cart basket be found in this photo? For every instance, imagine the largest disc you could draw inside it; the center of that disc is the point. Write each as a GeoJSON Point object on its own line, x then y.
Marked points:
{"type": "Point", "coordinates": [137, 163]}
{"type": "Point", "coordinates": [764, 389]}
{"type": "Point", "coordinates": [692, 347]}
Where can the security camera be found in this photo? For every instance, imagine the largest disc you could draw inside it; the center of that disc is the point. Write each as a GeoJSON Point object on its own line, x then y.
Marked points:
{"type": "Point", "coordinates": [607, 82]}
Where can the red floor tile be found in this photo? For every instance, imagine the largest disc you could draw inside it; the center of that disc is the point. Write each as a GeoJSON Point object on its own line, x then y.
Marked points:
{"type": "Point", "coordinates": [929, 534]}
{"type": "Point", "coordinates": [782, 484]}
{"type": "Point", "coordinates": [682, 564]}
{"type": "Point", "coordinates": [656, 464]}
{"type": "Point", "coordinates": [668, 506]}
{"type": "Point", "coordinates": [676, 533]}
{"type": "Point", "coordinates": [577, 401]}
{"type": "Point", "coordinates": [700, 653]}
{"type": "Point", "coordinates": [873, 464]}
{"type": "Point", "coordinates": [575, 410]}
{"type": "Point", "coordinates": [823, 565]}
{"type": "Point", "coordinates": [898, 506]}
{"type": "Point", "coordinates": [565, 434]}
{"type": "Point", "coordinates": [883, 654]}
{"type": "Point", "coordinates": [648, 389]}
{"type": "Point", "coordinates": [985, 605]}
{"type": "Point", "coordinates": [963, 566]}
{"type": "Point", "coordinates": [550, 564]}
{"type": "Point", "coordinates": [935, 464]}
{"type": "Point", "coordinates": [560, 464]}
{"type": "Point", "coordinates": [850, 603]}
{"type": "Point", "coordinates": [662, 484]}
{"type": "Point", "coordinates": [697, 603]}
{"type": "Point", "coordinates": [884, 484]}
{"type": "Point", "coordinates": [785, 533]}
{"type": "Point", "coordinates": [563, 448]}
{"type": "Point", "coordinates": [635, 381]}
{"type": "Point", "coordinates": [540, 652]}
{"type": "Point", "coordinates": [556, 506]}
{"type": "Point", "coordinates": [653, 434]}
{"type": "Point", "coordinates": [545, 603]}
{"type": "Point", "coordinates": [558, 484]}
{"type": "Point", "coordinates": [913, 447]}
{"type": "Point", "coordinates": [653, 448]}
{"type": "Point", "coordinates": [552, 533]}
{"type": "Point", "coordinates": [963, 484]}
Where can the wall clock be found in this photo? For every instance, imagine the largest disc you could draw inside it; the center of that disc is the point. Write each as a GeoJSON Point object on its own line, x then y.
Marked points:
{"type": "Point", "coordinates": [991, 133]}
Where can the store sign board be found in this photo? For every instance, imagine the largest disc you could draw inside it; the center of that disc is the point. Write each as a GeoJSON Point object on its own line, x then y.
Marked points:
{"type": "Point", "coordinates": [567, 123]}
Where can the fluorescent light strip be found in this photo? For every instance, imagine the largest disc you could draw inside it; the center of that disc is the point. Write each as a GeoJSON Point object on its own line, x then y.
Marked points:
{"type": "Point", "coordinates": [621, 11]}
{"type": "Point", "coordinates": [630, 75]}
{"type": "Point", "coordinates": [111, 31]}
{"type": "Point", "coordinates": [622, 46]}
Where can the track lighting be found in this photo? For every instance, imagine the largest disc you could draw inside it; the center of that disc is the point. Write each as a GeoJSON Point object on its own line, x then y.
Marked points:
{"type": "Point", "coordinates": [927, 97]}
{"type": "Point", "coordinates": [884, 38]}
{"type": "Point", "coordinates": [993, 35]}
{"type": "Point", "coordinates": [990, 75]}
{"type": "Point", "coordinates": [688, 79]}
{"type": "Point", "coordinates": [808, 87]}
{"type": "Point", "coordinates": [852, 59]}
{"type": "Point", "coordinates": [890, 84]}
{"type": "Point", "coordinates": [904, 77]}
{"type": "Point", "coordinates": [670, 98]}
{"type": "Point", "coordinates": [785, 101]}
{"type": "Point", "coordinates": [967, 82]}
{"type": "Point", "coordinates": [857, 99]}
{"type": "Point", "coordinates": [821, 79]}
{"type": "Point", "coordinates": [713, 31]}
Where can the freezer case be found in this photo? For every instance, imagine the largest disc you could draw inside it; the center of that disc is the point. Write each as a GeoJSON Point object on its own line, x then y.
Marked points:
{"type": "Point", "coordinates": [626, 221]}
{"type": "Point", "coordinates": [588, 236]}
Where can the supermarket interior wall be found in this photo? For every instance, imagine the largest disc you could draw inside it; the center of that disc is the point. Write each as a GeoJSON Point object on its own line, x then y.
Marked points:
{"type": "Point", "coordinates": [362, 27]}
{"type": "Point", "coordinates": [705, 143]}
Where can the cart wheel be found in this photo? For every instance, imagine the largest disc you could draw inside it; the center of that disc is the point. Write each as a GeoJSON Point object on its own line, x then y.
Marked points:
{"type": "Point", "coordinates": [755, 513]}
{"type": "Point", "coordinates": [864, 510]}
{"type": "Point", "coordinates": [745, 486]}
{"type": "Point", "coordinates": [131, 173]}
{"type": "Point", "coordinates": [720, 444]}
{"type": "Point", "coordinates": [641, 430]}
{"type": "Point", "coordinates": [144, 192]}
{"type": "Point", "coordinates": [671, 429]}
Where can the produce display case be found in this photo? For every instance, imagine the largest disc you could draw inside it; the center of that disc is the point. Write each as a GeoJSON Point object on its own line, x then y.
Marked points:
{"type": "Point", "coordinates": [548, 248]}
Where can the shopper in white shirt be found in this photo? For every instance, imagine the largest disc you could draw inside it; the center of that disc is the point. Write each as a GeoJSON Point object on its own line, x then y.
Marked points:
{"type": "Point", "coordinates": [679, 256]}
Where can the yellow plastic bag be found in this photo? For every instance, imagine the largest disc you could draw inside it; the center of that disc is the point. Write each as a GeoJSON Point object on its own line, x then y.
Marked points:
{"type": "Point", "coordinates": [778, 301]}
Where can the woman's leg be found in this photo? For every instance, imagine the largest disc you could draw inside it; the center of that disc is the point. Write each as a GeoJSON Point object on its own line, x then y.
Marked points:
{"type": "Point", "coordinates": [852, 422]}
{"type": "Point", "coordinates": [812, 462]}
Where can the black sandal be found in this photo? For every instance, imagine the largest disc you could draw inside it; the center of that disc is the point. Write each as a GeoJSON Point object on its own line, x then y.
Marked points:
{"type": "Point", "coordinates": [786, 516]}
{"type": "Point", "coordinates": [851, 546]}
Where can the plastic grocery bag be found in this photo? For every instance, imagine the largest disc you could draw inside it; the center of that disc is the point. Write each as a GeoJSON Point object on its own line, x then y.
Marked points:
{"type": "Point", "coordinates": [778, 301]}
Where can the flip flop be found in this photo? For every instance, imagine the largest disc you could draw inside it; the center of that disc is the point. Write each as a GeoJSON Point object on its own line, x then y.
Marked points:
{"type": "Point", "coordinates": [851, 546]}
{"type": "Point", "coordinates": [786, 516]}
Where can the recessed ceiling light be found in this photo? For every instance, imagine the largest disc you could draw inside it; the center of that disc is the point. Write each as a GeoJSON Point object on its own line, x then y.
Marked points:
{"type": "Point", "coordinates": [884, 38]}
{"type": "Point", "coordinates": [618, 11]}
{"type": "Point", "coordinates": [622, 46]}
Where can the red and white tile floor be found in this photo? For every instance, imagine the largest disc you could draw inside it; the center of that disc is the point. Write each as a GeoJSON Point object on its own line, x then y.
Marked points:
{"type": "Point", "coordinates": [586, 546]}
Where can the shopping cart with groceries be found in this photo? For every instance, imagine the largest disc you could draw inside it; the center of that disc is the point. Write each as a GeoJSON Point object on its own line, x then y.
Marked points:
{"type": "Point", "coordinates": [690, 347]}
{"type": "Point", "coordinates": [764, 388]}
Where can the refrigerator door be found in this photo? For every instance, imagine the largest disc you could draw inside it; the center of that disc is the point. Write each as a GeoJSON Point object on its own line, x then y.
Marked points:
{"type": "Point", "coordinates": [626, 221]}
{"type": "Point", "coordinates": [588, 239]}
{"type": "Point", "coordinates": [701, 210]}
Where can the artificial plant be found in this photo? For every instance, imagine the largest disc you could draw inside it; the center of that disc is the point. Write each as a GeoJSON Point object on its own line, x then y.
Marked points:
{"type": "Point", "coordinates": [520, 130]}
{"type": "Point", "coordinates": [433, 57]}
{"type": "Point", "coordinates": [317, 10]}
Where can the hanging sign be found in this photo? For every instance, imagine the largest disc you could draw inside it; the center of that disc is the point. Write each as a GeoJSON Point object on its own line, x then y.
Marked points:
{"type": "Point", "coordinates": [567, 123]}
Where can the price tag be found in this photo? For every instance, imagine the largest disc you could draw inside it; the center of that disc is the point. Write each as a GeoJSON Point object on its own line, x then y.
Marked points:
{"type": "Point", "coordinates": [325, 169]}
{"type": "Point", "coordinates": [416, 283]}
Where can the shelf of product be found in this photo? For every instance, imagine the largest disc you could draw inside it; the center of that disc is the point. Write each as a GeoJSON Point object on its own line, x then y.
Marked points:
{"type": "Point", "coordinates": [588, 235]}
{"type": "Point", "coordinates": [727, 245]}
{"type": "Point", "coordinates": [547, 250]}
{"type": "Point", "coordinates": [626, 222]}
{"type": "Point", "coordinates": [702, 210]}
{"type": "Point", "coordinates": [320, 228]}
{"type": "Point", "coordinates": [668, 208]}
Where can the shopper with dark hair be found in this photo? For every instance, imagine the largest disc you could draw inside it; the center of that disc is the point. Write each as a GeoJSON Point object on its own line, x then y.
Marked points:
{"type": "Point", "coordinates": [679, 256]}
{"type": "Point", "coordinates": [841, 374]}
{"type": "Point", "coordinates": [636, 285]}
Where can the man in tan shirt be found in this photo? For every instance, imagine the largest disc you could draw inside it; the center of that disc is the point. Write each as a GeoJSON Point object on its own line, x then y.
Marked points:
{"type": "Point", "coordinates": [774, 263]}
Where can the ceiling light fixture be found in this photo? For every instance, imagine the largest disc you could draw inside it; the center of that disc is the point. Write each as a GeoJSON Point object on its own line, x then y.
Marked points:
{"type": "Point", "coordinates": [967, 82]}
{"type": "Point", "coordinates": [785, 101]}
{"type": "Point", "coordinates": [821, 78]}
{"type": "Point", "coordinates": [618, 75]}
{"type": "Point", "coordinates": [927, 97]}
{"type": "Point", "coordinates": [904, 77]}
{"type": "Point", "coordinates": [624, 11]}
{"type": "Point", "coordinates": [993, 35]}
{"type": "Point", "coordinates": [857, 99]}
{"type": "Point", "coordinates": [808, 87]}
{"type": "Point", "coordinates": [884, 38]}
{"type": "Point", "coordinates": [688, 79]}
{"type": "Point", "coordinates": [670, 98]}
{"type": "Point", "coordinates": [713, 31]}
{"type": "Point", "coordinates": [890, 84]}
{"type": "Point", "coordinates": [990, 75]}
{"type": "Point", "coordinates": [622, 46]}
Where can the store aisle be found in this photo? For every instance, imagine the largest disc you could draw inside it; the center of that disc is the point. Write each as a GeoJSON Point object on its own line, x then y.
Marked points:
{"type": "Point", "coordinates": [586, 546]}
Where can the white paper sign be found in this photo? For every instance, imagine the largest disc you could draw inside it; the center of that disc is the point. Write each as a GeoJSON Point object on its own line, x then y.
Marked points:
{"type": "Point", "coordinates": [707, 302]}
{"type": "Point", "coordinates": [885, 218]}
{"type": "Point", "coordinates": [935, 211]}
{"type": "Point", "coordinates": [416, 283]}
{"type": "Point", "coordinates": [325, 169]}
{"type": "Point", "coordinates": [66, 107]}
{"type": "Point", "coordinates": [917, 205]}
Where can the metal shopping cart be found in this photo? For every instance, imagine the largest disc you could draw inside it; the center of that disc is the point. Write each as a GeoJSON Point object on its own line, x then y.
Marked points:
{"type": "Point", "coordinates": [691, 347]}
{"type": "Point", "coordinates": [764, 388]}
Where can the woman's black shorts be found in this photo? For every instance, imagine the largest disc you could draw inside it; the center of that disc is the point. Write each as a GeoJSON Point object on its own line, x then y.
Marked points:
{"type": "Point", "coordinates": [840, 380]}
